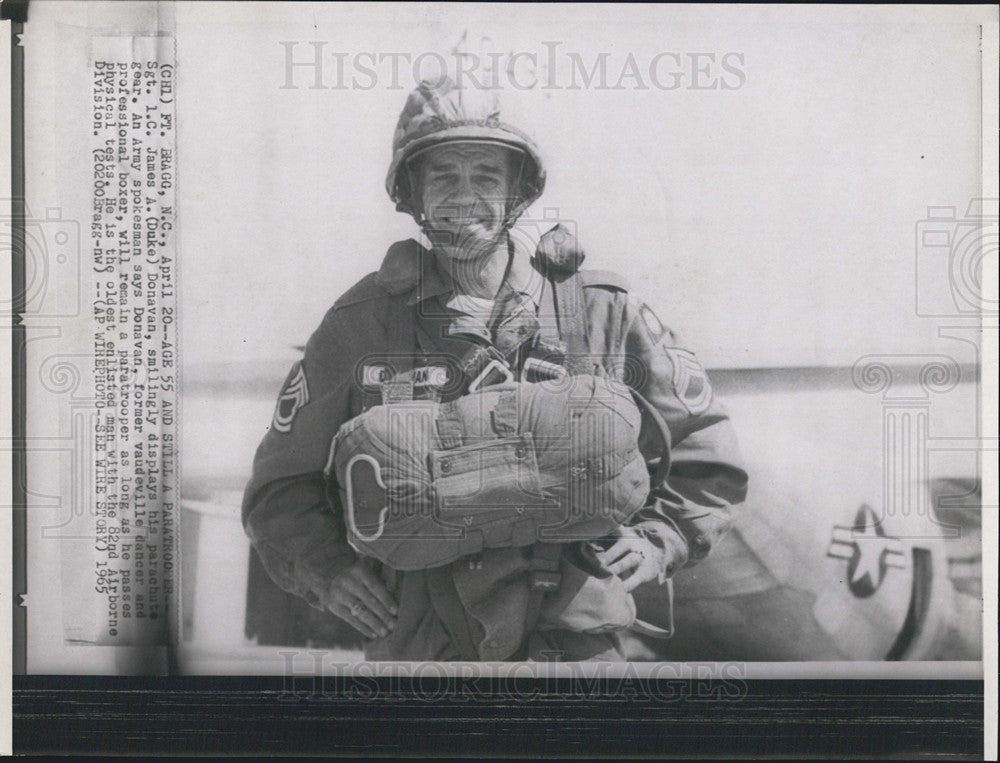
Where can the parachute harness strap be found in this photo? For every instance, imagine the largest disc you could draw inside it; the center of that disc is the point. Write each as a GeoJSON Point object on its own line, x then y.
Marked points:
{"type": "Point", "coordinates": [544, 578]}
{"type": "Point", "coordinates": [563, 319]}
{"type": "Point", "coordinates": [505, 414]}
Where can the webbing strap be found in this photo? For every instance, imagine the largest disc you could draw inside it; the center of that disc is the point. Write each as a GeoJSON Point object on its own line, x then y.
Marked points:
{"type": "Point", "coordinates": [505, 414]}
{"type": "Point", "coordinates": [543, 578]}
{"type": "Point", "coordinates": [450, 430]}
{"type": "Point", "coordinates": [548, 323]}
{"type": "Point", "coordinates": [450, 611]}
{"type": "Point", "coordinates": [571, 320]}
{"type": "Point", "coordinates": [563, 318]}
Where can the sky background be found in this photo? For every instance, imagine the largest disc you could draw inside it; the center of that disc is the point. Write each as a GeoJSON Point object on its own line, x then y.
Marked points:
{"type": "Point", "coordinates": [773, 224]}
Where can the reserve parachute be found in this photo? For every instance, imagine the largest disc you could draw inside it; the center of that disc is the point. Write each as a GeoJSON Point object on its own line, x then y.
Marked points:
{"type": "Point", "coordinates": [424, 483]}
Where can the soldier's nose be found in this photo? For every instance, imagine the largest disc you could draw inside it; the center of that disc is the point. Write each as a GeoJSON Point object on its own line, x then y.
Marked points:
{"type": "Point", "coordinates": [464, 202]}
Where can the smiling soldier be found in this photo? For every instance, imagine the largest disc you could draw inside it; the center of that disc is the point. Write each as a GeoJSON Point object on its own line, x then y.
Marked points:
{"type": "Point", "coordinates": [485, 449]}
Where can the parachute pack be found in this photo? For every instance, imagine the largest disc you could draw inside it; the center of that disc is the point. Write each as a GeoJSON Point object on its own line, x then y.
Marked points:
{"type": "Point", "coordinates": [424, 483]}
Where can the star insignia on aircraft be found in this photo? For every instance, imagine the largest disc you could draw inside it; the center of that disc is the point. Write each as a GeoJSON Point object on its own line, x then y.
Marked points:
{"type": "Point", "coordinates": [868, 550]}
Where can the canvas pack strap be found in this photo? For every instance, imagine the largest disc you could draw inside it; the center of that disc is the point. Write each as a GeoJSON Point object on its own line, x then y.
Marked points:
{"type": "Point", "coordinates": [544, 578]}
{"type": "Point", "coordinates": [563, 320]}
{"type": "Point", "coordinates": [562, 325]}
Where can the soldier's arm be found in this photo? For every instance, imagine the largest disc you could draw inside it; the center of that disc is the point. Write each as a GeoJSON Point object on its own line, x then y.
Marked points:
{"type": "Point", "coordinates": [693, 508]}
{"type": "Point", "coordinates": [301, 543]}
{"type": "Point", "coordinates": [301, 540]}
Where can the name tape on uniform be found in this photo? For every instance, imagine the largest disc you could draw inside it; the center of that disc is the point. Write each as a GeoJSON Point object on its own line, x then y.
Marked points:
{"type": "Point", "coordinates": [422, 376]}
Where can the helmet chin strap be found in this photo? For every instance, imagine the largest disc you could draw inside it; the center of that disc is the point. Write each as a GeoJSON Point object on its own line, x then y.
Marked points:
{"type": "Point", "coordinates": [515, 201]}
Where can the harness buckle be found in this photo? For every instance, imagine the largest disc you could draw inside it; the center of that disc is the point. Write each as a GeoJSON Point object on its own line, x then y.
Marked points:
{"type": "Point", "coordinates": [482, 380]}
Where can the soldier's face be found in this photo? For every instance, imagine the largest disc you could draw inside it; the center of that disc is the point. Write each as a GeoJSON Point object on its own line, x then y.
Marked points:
{"type": "Point", "coordinates": [465, 191]}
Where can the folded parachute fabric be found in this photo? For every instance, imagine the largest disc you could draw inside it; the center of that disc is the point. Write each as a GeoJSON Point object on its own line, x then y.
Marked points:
{"type": "Point", "coordinates": [423, 483]}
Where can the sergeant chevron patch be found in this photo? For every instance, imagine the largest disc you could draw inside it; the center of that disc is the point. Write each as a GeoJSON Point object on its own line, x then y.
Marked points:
{"type": "Point", "coordinates": [294, 395]}
{"type": "Point", "coordinates": [690, 380]}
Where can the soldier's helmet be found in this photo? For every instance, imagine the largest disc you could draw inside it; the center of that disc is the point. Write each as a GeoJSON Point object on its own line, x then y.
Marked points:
{"type": "Point", "coordinates": [437, 112]}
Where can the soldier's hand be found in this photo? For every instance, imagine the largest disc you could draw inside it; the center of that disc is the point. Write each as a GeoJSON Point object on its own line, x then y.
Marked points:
{"type": "Point", "coordinates": [634, 559]}
{"type": "Point", "coordinates": [359, 597]}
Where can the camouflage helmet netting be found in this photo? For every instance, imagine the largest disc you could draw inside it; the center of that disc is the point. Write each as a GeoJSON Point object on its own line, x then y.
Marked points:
{"type": "Point", "coordinates": [439, 112]}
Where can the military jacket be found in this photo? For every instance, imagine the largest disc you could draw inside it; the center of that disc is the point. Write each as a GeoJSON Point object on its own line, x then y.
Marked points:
{"type": "Point", "coordinates": [399, 316]}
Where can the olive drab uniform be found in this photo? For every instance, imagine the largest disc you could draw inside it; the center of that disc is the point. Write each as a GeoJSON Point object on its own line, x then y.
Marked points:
{"type": "Point", "coordinates": [475, 607]}
{"type": "Point", "coordinates": [484, 604]}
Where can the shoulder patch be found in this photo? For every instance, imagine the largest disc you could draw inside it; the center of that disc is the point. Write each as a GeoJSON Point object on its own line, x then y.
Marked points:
{"type": "Point", "coordinates": [690, 380]}
{"type": "Point", "coordinates": [293, 396]}
{"type": "Point", "coordinates": [606, 278]}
